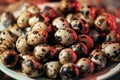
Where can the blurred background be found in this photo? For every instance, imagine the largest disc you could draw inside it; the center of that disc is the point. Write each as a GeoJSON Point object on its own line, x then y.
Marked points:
{"type": "Point", "coordinates": [112, 6]}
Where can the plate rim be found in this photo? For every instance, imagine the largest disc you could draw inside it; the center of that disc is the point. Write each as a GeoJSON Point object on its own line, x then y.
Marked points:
{"type": "Point", "coordinates": [19, 76]}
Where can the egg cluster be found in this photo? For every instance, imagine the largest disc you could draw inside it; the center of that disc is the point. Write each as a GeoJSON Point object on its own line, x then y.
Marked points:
{"type": "Point", "coordinates": [72, 41]}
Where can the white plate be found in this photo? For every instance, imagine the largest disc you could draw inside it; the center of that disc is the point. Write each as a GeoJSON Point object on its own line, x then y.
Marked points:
{"type": "Point", "coordinates": [109, 71]}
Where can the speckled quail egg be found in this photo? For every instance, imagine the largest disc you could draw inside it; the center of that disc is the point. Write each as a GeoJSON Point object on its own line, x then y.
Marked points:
{"type": "Point", "coordinates": [42, 26]}
{"type": "Point", "coordinates": [22, 20]}
{"type": "Point", "coordinates": [85, 66]}
{"type": "Point", "coordinates": [36, 37]}
{"type": "Point", "coordinates": [22, 45]}
{"type": "Point", "coordinates": [31, 67]}
{"type": "Point", "coordinates": [113, 36]}
{"type": "Point", "coordinates": [80, 26]}
{"type": "Point", "coordinates": [98, 57]}
{"type": "Point", "coordinates": [102, 24]}
{"type": "Point", "coordinates": [43, 52]}
{"type": "Point", "coordinates": [15, 30]}
{"type": "Point", "coordinates": [111, 22]}
{"type": "Point", "coordinates": [87, 40]}
{"type": "Point", "coordinates": [37, 18]}
{"type": "Point", "coordinates": [60, 23]}
{"type": "Point", "coordinates": [26, 30]}
{"type": "Point", "coordinates": [7, 19]}
{"type": "Point", "coordinates": [87, 13]}
{"type": "Point", "coordinates": [112, 51]}
{"type": "Point", "coordinates": [66, 36]}
{"type": "Point", "coordinates": [67, 6]}
{"type": "Point", "coordinates": [33, 9]}
{"type": "Point", "coordinates": [50, 12]}
{"type": "Point", "coordinates": [9, 58]}
{"type": "Point", "coordinates": [69, 71]}
{"type": "Point", "coordinates": [67, 55]}
{"type": "Point", "coordinates": [6, 35]}
{"type": "Point", "coordinates": [6, 45]}
{"type": "Point", "coordinates": [87, 19]}
{"type": "Point", "coordinates": [88, 10]}
{"type": "Point", "coordinates": [52, 69]}
{"type": "Point", "coordinates": [80, 49]}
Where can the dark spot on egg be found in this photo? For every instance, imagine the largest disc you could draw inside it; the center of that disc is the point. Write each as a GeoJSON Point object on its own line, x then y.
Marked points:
{"type": "Point", "coordinates": [68, 39]}
{"type": "Point", "coordinates": [80, 67]}
{"type": "Point", "coordinates": [9, 47]}
{"type": "Point", "coordinates": [96, 56]}
{"type": "Point", "coordinates": [35, 32]}
{"type": "Point", "coordinates": [97, 50]}
{"type": "Point", "coordinates": [3, 33]}
{"type": "Point", "coordinates": [51, 65]}
{"type": "Point", "coordinates": [11, 34]}
{"type": "Point", "coordinates": [62, 19]}
{"type": "Point", "coordinates": [81, 27]}
{"type": "Point", "coordinates": [108, 54]}
{"type": "Point", "coordinates": [100, 22]}
{"type": "Point", "coordinates": [89, 6]}
{"type": "Point", "coordinates": [69, 30]}
{"type": "Point", "coordinates": [87, 13]}
{"type": "Point", "coordinates": [29, 73]}
{"type": "Point", "coordinates": [17, 29]}
{"type": "Point", "coordinates": [113, 47]}
{"type": "Point", "coordinates": [47, 56]}
{"type": "Point", "coordinates": [68, 72]}
{"type": "Point", "coordinates": [9, 59]}
{"type": "Point", "coordinates": [43, 50]}
{"type": "Point", "coordinates": [100, 59]}
{"type": "Point", "coordinates": [58, 38]}
{"type": "Point", "coordinates": [1, 39]}
{"type": "Point", "coordinates": [116, 54]}
{"type": "Point", "coordinates": [84, 59]}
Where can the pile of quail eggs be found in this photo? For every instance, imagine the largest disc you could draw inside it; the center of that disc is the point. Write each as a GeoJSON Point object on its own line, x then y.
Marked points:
{"type": "Point", "coordinates": [72, 41]}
